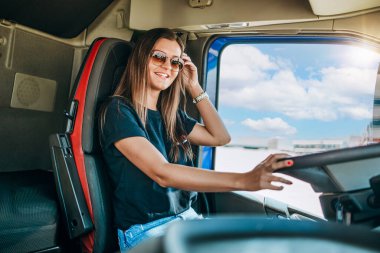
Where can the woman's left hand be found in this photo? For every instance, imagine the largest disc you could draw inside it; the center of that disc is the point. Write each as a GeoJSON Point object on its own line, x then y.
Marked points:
{"type": "Point", "coordinates": [261, 177]}
{"type": "Point", "coordinates": [190, 76]}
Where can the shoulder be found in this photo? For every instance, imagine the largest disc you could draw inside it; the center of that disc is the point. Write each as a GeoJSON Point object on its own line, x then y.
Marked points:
{"type": "Point", "coordinates": [117, 105]}
{"type": "Point", "coordinates": [117, 110]}
{"type": "Point", "coordinates": [117, 101]}
{"type": "Point", "coordinates": [118, 121]}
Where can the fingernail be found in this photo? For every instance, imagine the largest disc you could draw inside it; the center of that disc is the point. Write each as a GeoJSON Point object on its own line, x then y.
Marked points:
{"type": "Point", "coordinates": [289, 163]}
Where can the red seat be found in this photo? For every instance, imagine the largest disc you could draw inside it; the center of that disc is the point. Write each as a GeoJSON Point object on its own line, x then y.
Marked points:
{"type": "Point", "coordinates": [79, 169]}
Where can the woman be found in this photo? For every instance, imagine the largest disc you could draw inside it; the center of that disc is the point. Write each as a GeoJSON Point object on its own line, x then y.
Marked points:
{"type": "Point", "coordinates": [146, 141]}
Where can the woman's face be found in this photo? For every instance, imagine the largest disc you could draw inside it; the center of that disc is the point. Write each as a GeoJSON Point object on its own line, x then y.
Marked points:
{"type": "Point", "coordinates": [162, 75]}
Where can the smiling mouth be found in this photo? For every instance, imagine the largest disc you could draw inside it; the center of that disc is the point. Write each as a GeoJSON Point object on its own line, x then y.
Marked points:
{"type": "Point", "coordinates": [162, 75]}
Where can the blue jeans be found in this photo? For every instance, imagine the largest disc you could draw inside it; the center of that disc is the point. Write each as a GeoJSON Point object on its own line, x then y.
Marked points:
{"type": "Point", "coordinates": [140, 232]}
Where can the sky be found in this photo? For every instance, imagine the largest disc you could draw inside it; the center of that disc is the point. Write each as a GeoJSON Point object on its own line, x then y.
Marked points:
{"type": "Point", "coordinates": [297, 91]}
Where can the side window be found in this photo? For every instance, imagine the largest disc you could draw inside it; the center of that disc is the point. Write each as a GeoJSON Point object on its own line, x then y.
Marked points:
{"type": "Point", "coordinates": [292, 97]}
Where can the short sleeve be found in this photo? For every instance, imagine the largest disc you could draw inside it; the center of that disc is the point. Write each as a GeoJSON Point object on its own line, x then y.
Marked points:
{"type": "Point", "coordinates": [121, 121]}
{"type": "Point", "coordinates": [187, 121]}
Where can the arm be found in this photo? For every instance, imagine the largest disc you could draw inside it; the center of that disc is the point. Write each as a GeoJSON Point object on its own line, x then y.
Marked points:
{"type": "Point", "coordinates": [166, 174]}
{"type": "Point", "coordinates": [212, 132]}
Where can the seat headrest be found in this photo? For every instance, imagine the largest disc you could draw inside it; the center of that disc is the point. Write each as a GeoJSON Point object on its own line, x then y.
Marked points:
{"type": "Point", "coordinates": [108, 67]}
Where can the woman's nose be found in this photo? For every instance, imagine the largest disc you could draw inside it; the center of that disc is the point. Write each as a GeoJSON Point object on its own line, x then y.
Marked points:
{"type": "Point", "coordinates": [167, 64]}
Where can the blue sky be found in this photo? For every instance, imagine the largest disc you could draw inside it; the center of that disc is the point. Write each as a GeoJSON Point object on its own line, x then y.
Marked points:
{"type": "Point", "coordinates": [297, 91]}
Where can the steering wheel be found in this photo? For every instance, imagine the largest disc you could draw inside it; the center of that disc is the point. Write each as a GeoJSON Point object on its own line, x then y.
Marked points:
{"type": "Point", "coordinates": [325, 171]}
{"type": "Point", "coordinates": [252, 234]}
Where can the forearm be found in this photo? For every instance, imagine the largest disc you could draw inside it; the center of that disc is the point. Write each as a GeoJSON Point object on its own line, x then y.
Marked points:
{"type": "Point", "coordinates": [261, 177]}
{"type": "Point", "coordinates": [152, 163]}
{"type": "Point", "coordinates": [195, 179]}
{"type": "Point", "coordinates": [211, 119]}
{"type": "Point", "coordinates": [213, 123]}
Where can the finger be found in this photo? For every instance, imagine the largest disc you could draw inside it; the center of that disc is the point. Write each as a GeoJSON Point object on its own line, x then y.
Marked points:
{"type": "Point", "coordinates": [274, 157]}
{"type": "Point", "coordinates": [267, 159]}
{"type": "Point", "coordinates": [282, 164]}
{"type": "Point", "coordinates": [185, 57]}
{"type": "Point", "coordinates": [275, 187]}
{"type": "Point", "coordinates": [278, 156]}
{"type": "Point", "coordinates": [280, 180]}
{"type": "Point", "coordinates": [188, 62]}
{"type": "Point", "coordinates": [271, 163]}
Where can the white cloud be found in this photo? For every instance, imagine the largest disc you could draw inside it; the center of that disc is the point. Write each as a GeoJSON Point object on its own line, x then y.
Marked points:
{"type": "Point", "coordinates": [348, 80]}
{"type": "Point", "coordinates": [243, 62]}
{"type": "Point", "coordinates": [359, 57]}
{"type": "Point", "coordinates": [245, 54]}
{"type": "Point", "coordinates": [267, 85]}
{"type": "Point", "coordinates": [274, 125]}
{"type": "Point", "coordinates": [360, 112]}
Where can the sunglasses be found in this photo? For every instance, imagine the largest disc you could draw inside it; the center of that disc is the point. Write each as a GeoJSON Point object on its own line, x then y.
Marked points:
{"type": "Point", "coordinates": [159, 58]}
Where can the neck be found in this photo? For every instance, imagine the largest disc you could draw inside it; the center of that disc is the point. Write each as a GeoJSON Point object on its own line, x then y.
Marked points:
{"type": "Point", "coordinates": [152, 99]}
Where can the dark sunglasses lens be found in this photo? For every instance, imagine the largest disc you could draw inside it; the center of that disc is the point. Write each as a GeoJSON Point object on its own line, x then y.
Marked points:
{"type": "Point", "coordinates": [158, 58]}
{"type": "Point", "coordinates": [176, 64]}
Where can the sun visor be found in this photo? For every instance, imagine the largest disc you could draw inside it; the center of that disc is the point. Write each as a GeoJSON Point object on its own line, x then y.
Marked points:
{"type": "Point", "coordinates": [337, 7]}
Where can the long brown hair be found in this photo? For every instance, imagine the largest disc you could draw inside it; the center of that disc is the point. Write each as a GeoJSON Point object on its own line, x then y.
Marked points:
{"type": "Point", "coordinates": [134, 87]}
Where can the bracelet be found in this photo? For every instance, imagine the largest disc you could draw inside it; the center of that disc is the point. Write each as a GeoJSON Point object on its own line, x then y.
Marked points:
{"type": "Point", "coordinates": [199, 98]}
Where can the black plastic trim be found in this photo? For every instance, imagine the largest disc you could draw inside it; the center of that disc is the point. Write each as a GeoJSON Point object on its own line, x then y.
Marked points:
{"type": "Point", "coordinates": [70, 193]}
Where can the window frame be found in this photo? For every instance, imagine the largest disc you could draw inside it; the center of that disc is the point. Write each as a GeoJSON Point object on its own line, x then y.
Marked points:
{"type": "Point", "coordinates": [212, 59]}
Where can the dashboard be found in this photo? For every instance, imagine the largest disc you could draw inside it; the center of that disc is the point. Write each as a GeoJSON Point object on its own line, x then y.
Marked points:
{"type": "Point", "coordinates": [348, 180]}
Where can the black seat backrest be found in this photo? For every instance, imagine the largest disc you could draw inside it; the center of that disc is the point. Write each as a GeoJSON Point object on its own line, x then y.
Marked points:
{"type": "Point", "coordinates": [80, 172]}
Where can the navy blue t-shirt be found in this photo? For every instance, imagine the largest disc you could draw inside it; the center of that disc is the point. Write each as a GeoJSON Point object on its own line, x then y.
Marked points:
{"type": "Point", "coordinates": [137, 199]}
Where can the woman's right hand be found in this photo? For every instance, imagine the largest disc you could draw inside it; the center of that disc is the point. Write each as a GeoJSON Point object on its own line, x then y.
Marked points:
{"type": "Point", "coordinates": [261, 177]}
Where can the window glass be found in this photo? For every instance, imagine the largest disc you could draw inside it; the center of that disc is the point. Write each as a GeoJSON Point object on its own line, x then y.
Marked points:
{"type": "Point", "coordinates": [296, 98]}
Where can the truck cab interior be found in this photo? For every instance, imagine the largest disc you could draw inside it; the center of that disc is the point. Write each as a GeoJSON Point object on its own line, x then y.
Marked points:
{"type": "Point", "coordinates": [298, 76]}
